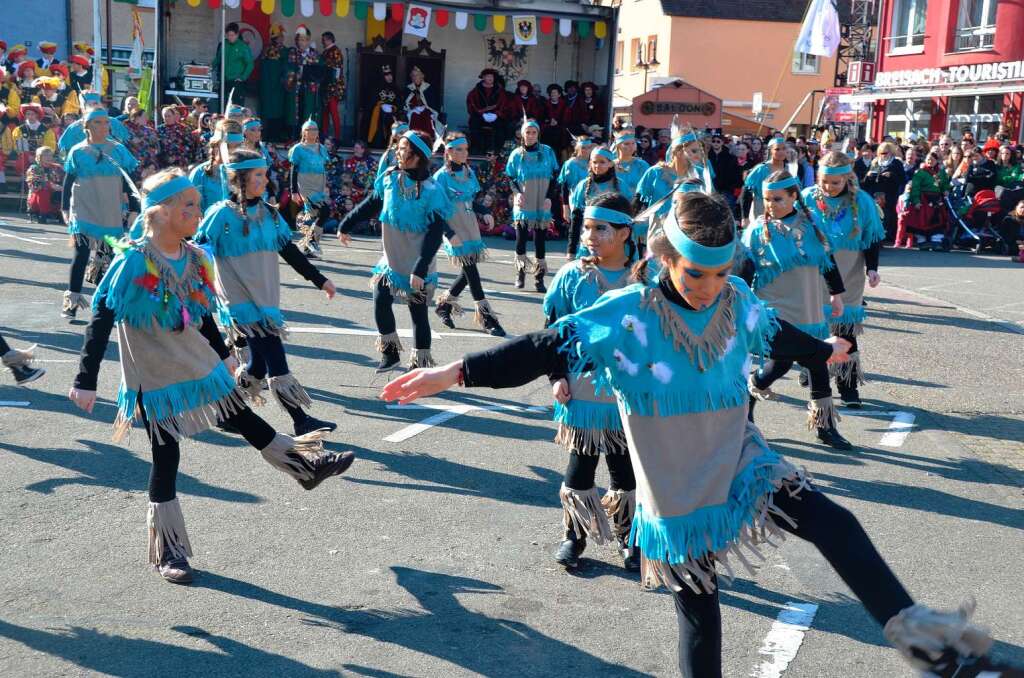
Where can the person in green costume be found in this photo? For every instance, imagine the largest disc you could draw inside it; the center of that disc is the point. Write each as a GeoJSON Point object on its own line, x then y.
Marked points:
{"type": "Point", "coordinates": [273, 73]}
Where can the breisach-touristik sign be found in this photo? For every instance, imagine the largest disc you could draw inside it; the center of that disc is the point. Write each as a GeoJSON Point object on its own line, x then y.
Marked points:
{"type": "Point", "coordinates": [954, 75]}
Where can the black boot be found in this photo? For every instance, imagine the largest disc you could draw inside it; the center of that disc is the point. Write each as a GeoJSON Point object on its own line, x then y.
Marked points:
{"type": "Point", "coordinates": [538, 280]}
{"type": "Point", "coordinates": [520, 281]}
{"type": "Point", "coordinates": [848, 393]}
{"type": "Point", "coordinates": [832, 438]}
{"type": "Point", "coordinates": [175, 570]}
{"type": "Point", "coordinates": [444, 312]}
{"type": "Point", "coordinates": [24, 374]}
{"type": "Point", "coordinates": [310, 424]}
{"type": "Point", "coordinates": [388, 360]}
{"type": "Point", "coordinates": [952, 665]}
{"type": "Point", "coordinates": [327, 465]}
{"type": "Point", "coordinates": [750, 409]}
{"type": "Point", "coordinates": [570, 550]}
{"type": "Point", "coordinates": [630, 555]}
{"type": "Point", "coordinates": [491, 325]}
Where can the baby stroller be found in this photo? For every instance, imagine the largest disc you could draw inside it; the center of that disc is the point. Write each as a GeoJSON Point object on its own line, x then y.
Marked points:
{"type": "Point", "coordinates": [974, 221]}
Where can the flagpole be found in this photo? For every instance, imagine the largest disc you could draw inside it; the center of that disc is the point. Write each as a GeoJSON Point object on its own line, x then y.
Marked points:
{"type": "Point", "coordinates": [223, 57]}
{"type": "Point", "coordinates": [154, 79]}
{"type": "Point", "coordinates": [97, 39]}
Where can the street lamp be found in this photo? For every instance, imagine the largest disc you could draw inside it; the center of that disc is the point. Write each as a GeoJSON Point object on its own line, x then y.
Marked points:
{"type": "Point", "coordinates": [650, 62]}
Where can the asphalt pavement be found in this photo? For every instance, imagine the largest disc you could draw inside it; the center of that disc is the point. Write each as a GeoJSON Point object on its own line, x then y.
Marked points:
{"type": "Point", "coordinates": [432, 556]}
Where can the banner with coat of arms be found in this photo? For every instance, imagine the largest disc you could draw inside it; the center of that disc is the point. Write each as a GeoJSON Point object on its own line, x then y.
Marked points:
{"type": "Point", "coordinates": [524, 28]}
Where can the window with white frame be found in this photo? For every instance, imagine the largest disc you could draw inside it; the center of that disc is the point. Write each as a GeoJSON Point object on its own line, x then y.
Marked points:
{"type": "Point", "coordinates": [982, 114]}
{"type": "Point", "coordinates": [805, 64]}
{"type": "Point", "coordinates": [904, 117]}
{"type": "Point", "coordinates": [906, 31]}
{"type": "Point", "coordinates": [976, 25]}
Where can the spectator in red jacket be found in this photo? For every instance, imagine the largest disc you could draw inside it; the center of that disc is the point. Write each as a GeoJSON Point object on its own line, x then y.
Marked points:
{"type": "Point", "coordinates": [487, 106]}
{"type": "Point", "coordinates": [554, 130]}
{"type": "Point", "coordinates": [523, 102]}
{"type": "Point", "coordinates": [589, 109]}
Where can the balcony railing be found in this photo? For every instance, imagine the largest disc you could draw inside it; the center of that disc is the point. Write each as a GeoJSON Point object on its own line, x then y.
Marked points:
{"type": "Point", "coordinates": [975, 37]}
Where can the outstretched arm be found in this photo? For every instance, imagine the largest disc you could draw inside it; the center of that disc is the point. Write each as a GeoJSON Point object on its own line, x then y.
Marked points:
{"type": "Point", "coordinates": [97, 336]}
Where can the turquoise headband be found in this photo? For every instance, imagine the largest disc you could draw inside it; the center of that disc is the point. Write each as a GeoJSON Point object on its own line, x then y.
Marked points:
{"type": "Point", "coordinates": [625, 137]}
{"type": "Point", "coordinates": [833, 171]}
{"type": "Point", "coordinates": [788, 182]}
{"type": "Point", "coordinates": [531, 123]}
{"type": "Point", "coordinates": [95, 114]}
{"type": "Point", "coordinates": [583, 143]}
{"type": "Point", "coordinates": [606, 214]}
{"type": "Point", "coordinates": [702, 255]}
{"type": "Point", "coordinates": [234, 109]}
{"type": "Point", "coordinates": [254, 163]}
{"type": "Point", "coordinates": [605, 153]}
{"type": "Point", "coordinates": [91, 98]}
{"type": "Point", "coordinates": [252, 124]}
{"type": "Point", "coordinates": [417, 141]}
{"type": "Point", "coordinates": [458, 141]}
{"type": "Point", "coordinates": [234, 138]}
{"type": "Point", "coordinates": [776, 142]}
{"type": "Point", "coordinates": [165, 191]}
{"type": "Point", "coordinates": [310, 124]}
{"type": "Point", "coordinates": [400, 128]}
{"type": "Point", "coordinates": [687, 138]}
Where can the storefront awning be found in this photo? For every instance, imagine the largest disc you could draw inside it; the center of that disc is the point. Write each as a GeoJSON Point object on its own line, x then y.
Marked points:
{"type": "Point", "coordinates": [869, 97]}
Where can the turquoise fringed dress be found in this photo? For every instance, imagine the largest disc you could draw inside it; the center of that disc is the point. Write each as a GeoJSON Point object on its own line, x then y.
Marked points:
{"type": "Point", "coordinates": [532, 169]}
{"type": "Point", "coordinates": [462, 186]}
{"type": "Point", "coordinates": [631, 172]}
{"type": "Point", "coordinates": [705, 475]}
{"type": "Point", "coordinates": [97, 207]}
{"type": "Point", "coordinates": [169, 371]}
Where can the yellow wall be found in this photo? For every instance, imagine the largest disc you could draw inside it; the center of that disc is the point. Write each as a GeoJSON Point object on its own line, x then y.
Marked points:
{"type": "Point", "coordinates": [728, 58]}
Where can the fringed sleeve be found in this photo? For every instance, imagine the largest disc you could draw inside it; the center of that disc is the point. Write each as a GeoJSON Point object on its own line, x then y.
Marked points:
{"type": "Point", "coordinates": [872, 230]}
{"type": "Point", "coordinates": [557, 300]}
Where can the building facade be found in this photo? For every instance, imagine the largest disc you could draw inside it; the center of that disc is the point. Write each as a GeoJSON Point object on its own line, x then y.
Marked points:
{"type": "Point", "coordinates": [947, 66]}
{"type": "Point", "coordinates": [728, 48]}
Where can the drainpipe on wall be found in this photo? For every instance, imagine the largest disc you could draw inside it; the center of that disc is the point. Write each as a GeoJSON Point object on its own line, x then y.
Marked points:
{"type": "Point", "coordinates": [613, 38]}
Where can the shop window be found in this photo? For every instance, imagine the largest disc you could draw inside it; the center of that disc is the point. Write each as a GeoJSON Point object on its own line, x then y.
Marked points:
{"type": "Point", "coordinates": [620, 55]}
{"type": "Point", "coordinates": [976, 25]}
{"type": "Point", "coordinates": [652, 48]}
{"type": "Point", "coordinates": [805, 64]}
{"type": "Point", "coordinates": [982, 115]}
{"type": "Point", "coordinates": [904, 117]}
{"type": "Point", "coordinates": [634, 54]}
{"type": "Point", "coordinates": [907, 29]}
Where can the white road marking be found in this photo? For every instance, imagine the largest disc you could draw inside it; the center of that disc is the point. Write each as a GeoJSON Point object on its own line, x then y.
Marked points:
{"type": "Point", "coordinates": [14, 403]}
{"type": "Point", "coordinates": [18, 237]}
{"type": "Point", "coordinates": [946, 284]}
{"type": "Point", "coordinates": [901, 426]}
{"type": "Point", "coordinates": [54, 360]}
{"type": "Point", "coordinates": [783, 640]}
{"type": "Point", "coordinates": [446, 413]}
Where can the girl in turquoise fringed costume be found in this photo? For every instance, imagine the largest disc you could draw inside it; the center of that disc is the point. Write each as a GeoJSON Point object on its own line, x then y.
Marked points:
{"type": "Point", "coordinates": [209, 177]}
{"type": "Point", "coordinates": [309, 184]}
{"type": "Point", "coordinates": [414, 211]}
{"type": "Point", "coordinates": [629, 168]}
{"type": "Point", "coordinates": [751, 200]}
{"type": "Point", "coordinates": [785, 256]}
{"type": "Point", "coordinates": [601, 179]}
{"type": "Point", "coordinates": [683, 169]}
{"type": "Point", "coordinates": [854, 228]}
{"type": "Point", "coordinates": [387, 159]}
{"type": "Point", "coordinates": [466, 248]}
{"type": "Point", "coordinates": [246, 236]}
{"type": "Point", "coordinates": [176, 372]}
{"type": "Point", "coordinates": [533, 171]}
{"type": "Point", "coordinates": [676, 353]}
{"type": "Point", "coordinates": [252, 131]}
{"type": "Point", "coordinates": [574, 170]}
{"type": "Point", "coordinates": [95, 185]}
{"type": "Point", "coordinates": [588, 422]}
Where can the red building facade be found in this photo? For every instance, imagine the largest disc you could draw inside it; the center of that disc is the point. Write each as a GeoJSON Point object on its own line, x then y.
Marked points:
{"type": "Point", "coordinates": [947, 65]}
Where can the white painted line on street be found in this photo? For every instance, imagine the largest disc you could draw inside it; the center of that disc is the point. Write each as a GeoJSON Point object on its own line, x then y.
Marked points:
{"type": "Point", "coordinates": [429, 422]}
{"type": "Point", "coordinates": [901, 426]}
{"type": "Point", "coordinates": [18, 237]}
{"type": "Point", "coordinates": [946, 284]}
{"type": "Point", "coordinates": [446, 413]}
{"type": "Point", "coordinates": [54, 360]}
{"type": "Point", "coordinates": [783, 640]}
{"type": "Point", "coordinates": [14, 403]}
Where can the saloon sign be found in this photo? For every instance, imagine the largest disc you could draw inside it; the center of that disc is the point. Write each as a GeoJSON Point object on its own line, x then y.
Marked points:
{"type": "Point", "coordinates": [1002, 71]}
{"type": "Point", "coordinates": [706, 108]}
{"type": "Point", "coordinates": [694, 106]}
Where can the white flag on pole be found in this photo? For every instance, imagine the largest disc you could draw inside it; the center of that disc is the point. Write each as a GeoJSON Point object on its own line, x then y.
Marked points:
{"type": "Point", "coordinates": [819, 33]}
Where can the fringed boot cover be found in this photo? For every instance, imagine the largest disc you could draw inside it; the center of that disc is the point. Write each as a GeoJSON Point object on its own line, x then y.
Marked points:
{"type": "Point", "coordinates": [251, 387]}
{"type": "Point", "coordinates": [167, 534]}
{"type": "Point", "coordinates": [288, 391]}
{"type": "Point", "coordinates": [453, 301]}
{"type": "Point", "coordinates": [758, 392]}
{"type": "Point", "coordinates": [619, 506]}
{"type": "Point", "coordinates": [584, 514]}
{"type": "Point", "coordinates": [849, 372]}
{"type": "Point", "coordinates": [421, 357]}
{"type": "Point", "coordinates": [919, 630]}
{"type": "Point", "coordinates": [822, 413]}
{"type": "Point", "coordinates": [73, 301]}
{"type": "Point", "coordinates": [388, 342]}
{"type": "Point", "coordinates": [19, 357]}
{"type": "Point", "coordinates": [291, 454]}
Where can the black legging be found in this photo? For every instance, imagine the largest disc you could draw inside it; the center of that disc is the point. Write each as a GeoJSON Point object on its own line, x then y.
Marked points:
{"type": "Point", "coordinates": [840, 539]}
{"type": "Point", "coordinates": [78, 264]}
{"type": "Point", "coordinates": [267, 358]}
{"type": "Point", "coordinates": [575, 229]}
{"type": "Point", "coordinates": [385, 315]}
{"type": "Point", "coordinates": [774, 370]}
{"type": "Point", "coordinates": [539, 240]}
{"type": "Point", "coordinates": [582, 469]}
{"type": "Point", "coordinates": [469, 275]}
{"type": "Point", "coordinates": [166, 455]}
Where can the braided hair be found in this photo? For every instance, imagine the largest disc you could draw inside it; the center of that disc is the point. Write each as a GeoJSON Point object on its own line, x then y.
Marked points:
{"type": "Point", "coordinates": [236, 187]}
{"type": "Point", "coordinates": [619, 203]}
{"type": "Point", "coordinates": [766, 234]}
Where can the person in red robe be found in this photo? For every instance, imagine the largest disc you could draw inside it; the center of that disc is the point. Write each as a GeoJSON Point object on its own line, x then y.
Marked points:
{"type": "Point", "coordinates": [524, 103]}
{"type": "Point", "coordinates": [554, 120]}
{"type": "Point", "coordinates": [421, 107]}
{"type": "Point", "coordinates": [488, 111]}
{"type": "Point", "coordinates": [589, 109]}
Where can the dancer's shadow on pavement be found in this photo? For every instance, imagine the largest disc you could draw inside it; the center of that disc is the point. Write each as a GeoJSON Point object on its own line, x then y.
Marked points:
{"type": "Point", "coordinates": [99, 464]}
{"type": "Point", "coordinates": [442, 627]}
{"type": "Point", "coordinates": [114, 655]}
{"type": "Point", "coordinates": [429, 473]}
